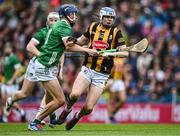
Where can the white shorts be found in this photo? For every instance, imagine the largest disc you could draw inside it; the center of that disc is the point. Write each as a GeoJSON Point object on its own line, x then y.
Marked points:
{"type": "Point", "coordinates": [30, 71]}
{"type": "Point", "coordinates": [44, 73]}
{"type": "Point", "coordinates": [96, 78]}
{"type": "Point", "coordinates": [9, 89]}
{"type": "Point", "coordinates": [117, 86]}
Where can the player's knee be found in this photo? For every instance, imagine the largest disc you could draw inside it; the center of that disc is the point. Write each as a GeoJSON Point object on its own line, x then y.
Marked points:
{"type": "Point", "coordinates": [61, 102]}
{"type": "Point", "coordinates": [24, 95]}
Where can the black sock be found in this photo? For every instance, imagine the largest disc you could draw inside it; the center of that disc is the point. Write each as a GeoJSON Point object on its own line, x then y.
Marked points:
{"type": "Point", "coordinates": [70, 103]}
{"type": "Point", "coordinates": [37, 121]}
{"type": "Point", "coordinates": [83, 112]}
{"type": "Point", "coordinates": [52, 116]}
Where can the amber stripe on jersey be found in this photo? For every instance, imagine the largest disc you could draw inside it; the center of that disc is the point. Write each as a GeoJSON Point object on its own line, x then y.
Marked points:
{"type": "Point", "coordinates": [101, 64]}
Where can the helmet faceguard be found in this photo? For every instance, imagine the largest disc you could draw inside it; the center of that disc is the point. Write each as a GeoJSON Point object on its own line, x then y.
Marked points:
{"type": "Point", "coordinates": [68, 11]}
{"type": "Point", "coordinates": [107, 12]}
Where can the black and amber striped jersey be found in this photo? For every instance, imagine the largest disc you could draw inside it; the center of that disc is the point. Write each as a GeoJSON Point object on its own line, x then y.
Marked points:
{"type": "Point", "coordinates": [112, 37]}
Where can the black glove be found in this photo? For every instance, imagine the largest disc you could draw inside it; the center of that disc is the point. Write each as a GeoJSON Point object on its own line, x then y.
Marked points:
{"type": "Point", "coordinates": [71, 39]}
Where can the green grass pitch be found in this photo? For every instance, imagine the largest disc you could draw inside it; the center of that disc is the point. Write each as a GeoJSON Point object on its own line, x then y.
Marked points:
{"type": "Point", "coordinates": [20, 129]}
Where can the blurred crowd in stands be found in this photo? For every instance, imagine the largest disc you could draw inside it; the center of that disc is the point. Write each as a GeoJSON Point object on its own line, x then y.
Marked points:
{"type": "Point", "coordinates": [151, 77]}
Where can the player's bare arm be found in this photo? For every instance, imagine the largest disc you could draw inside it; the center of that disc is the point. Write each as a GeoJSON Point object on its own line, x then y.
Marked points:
{"type": "Point", "coordinates": [77, 48]}
{"type": "Point", "coordinates": [31, 47]}
{"type": "Point", "coordinates": [81, 40]}
{"type": "Point", "coordinates": [71, 46]}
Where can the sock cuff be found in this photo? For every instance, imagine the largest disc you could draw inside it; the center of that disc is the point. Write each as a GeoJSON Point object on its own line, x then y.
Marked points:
{"type": "Point", "coordinates": [37, 121]}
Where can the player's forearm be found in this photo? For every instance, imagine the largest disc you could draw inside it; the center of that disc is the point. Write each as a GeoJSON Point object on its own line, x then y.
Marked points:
{"type": "Point", "coordinates": [33, 50]}
{"type": "Point", "coordinates": [77, 48]}
{"type": "Point", "coordinates": [80, 41]}
{"type": "Point", "coordinates": [31, 47]}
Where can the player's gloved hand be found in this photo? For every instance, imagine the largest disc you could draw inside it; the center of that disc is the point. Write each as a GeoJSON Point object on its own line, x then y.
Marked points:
{"type": "Point", "coordinates": [71, 39]}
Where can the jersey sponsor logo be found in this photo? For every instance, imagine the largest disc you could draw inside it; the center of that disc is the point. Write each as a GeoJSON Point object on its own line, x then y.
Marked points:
{"type": "Point", "coordinates": [100, 45]}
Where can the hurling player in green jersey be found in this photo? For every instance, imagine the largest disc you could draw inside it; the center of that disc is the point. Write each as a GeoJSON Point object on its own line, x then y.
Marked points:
{"type": "Point", "coordinates": [12, 67]}
{"type": "Point", "coordinates": [35, 45]}
{"type": "Point", "coordinates": [48, 58]}
{"type": "Point", "coordinates": [39, 39]}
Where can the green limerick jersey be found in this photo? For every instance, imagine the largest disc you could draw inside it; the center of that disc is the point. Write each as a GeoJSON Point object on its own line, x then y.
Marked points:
{"type": "Point", "coordinates": [11, 63]}
{"type": "Point", "coordinates": [54, 47]}
{"type": "Point", "coordinates": [40, 37]}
